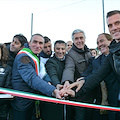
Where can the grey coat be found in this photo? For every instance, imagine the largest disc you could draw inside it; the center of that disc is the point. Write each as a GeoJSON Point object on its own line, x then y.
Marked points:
{"type": "Point", "coordinates": [75, 64]}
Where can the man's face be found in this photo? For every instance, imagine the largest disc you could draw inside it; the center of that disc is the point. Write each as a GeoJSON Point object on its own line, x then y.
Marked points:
{"type": "Point", "coordinates": [36, 44]}
{"type": "Point", "coordinates": [15, 45]}
{"type": "Point", "coordinates": [113, 23]}
{"type": "Point", "coordinates": [47, 49]}
{"type": "Point", "coordinates": [69, 45]}
{"type": "Point", "coordinates": [79, 40]}
{"type": "Point", "coordinates": [60, 50]}
{"type": "Point", "coordinates": [102, 44]}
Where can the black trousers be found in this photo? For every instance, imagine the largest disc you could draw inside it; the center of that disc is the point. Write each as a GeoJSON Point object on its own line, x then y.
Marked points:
{"type": "Point", "coordinates": [23, 115]}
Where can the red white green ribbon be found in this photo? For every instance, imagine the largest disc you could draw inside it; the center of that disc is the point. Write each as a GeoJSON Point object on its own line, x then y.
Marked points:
{"type": "Point", "coordinates": [54, 100]}
{"type": "Point", "coordinates": [33, 56]}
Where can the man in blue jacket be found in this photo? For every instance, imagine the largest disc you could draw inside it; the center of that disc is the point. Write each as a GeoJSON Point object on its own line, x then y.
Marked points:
{"type": "Point", "coordinates": [27, 77]}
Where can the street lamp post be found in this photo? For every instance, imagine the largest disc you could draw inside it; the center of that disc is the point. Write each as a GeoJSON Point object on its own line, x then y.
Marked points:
{"type": "Point", "coordinates": [103, 16]}
{"type": "Point", "coordinates": [31, 24]}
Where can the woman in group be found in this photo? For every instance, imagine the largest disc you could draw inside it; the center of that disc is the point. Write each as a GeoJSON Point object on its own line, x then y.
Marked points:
{"type": "Point", "coordinates": [5, 80]}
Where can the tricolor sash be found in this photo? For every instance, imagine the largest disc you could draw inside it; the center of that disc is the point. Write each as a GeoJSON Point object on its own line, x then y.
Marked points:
{"type": "Point", "coordinates": [39, 66]}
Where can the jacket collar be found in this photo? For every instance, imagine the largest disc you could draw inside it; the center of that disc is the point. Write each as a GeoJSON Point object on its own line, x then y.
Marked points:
{"type": "Point", "coordinates": [86, 49]}
{"type": "Point", "coordinates": [114, 46]}
{"type": "Point", "coordinates": [63, 59]}
{"type": "Point", "coordinates": [42, 54]}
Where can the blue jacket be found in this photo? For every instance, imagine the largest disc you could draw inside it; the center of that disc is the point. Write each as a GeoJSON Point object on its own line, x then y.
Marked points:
{"type": "Point", "coordinates": [25, 78]}
{"type": "Point", "coordinates": [43, 55]}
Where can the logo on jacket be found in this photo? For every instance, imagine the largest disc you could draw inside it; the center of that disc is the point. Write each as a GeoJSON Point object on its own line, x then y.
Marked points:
{"type": "Point", "coordinates": [2, 71]}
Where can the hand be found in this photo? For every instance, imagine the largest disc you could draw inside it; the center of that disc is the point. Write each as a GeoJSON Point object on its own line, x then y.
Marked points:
{"type": "Point", "coordinates": [59, 86]}
{"type": "Point", "coordinates": [78, 84]}
{"type": "Point", "coordinates": [65, 92]}
{"type": "Point", "coordinates": [66, 84]}
{"type": "Point", "coordinates": [70, 92]}
{"type": "Point", "coordinates": [81, 78]}
{"type": "Point", "coordinates": [56, 93]}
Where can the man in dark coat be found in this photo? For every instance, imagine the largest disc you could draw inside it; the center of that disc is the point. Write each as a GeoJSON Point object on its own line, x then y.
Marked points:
{"type": "Point", "coordinates": [54, 67]}
{"type": "Point", "coordinates": [100, 92]}
{"type": "Point", "coordinates": [76, 62]}
{"type": "Point", "coordinates": [113, 22]}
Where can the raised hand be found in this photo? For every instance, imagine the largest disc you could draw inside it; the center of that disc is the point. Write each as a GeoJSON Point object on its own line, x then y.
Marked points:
{"type": "Point", "coordinates": [66, 84]}
{"type": "Point", "coordinates": [59, 86]}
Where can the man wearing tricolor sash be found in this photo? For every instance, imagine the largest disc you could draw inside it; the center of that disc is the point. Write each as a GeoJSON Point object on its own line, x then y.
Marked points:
{"type": "Point", "coordinates": [27, 77]}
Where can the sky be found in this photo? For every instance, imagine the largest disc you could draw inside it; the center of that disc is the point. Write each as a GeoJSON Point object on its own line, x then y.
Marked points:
{"type": "Point", "coordinates": [54, 18]}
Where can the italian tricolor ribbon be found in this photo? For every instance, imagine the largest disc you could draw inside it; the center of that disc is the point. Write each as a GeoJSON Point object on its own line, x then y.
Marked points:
{"type": "Point", "coordinates": [39, 66]}
{"type": "Point", "coordinates": [54, 100]}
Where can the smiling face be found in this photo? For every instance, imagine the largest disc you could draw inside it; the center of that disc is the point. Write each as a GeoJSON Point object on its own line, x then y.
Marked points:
{"type": "Point", "coordinates": [102, 44]}
{"type": "Point", "coordinates": [113, 23]}
{"type": "Point", "coordinates": [60, 50]}
{"type": "Point", "coordinates": [36, 44]}
{"type": "Point", "coordinates": [79, 40]}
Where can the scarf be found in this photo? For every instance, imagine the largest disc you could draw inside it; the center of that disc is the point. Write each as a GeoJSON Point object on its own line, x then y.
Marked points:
{"type": "Point", "coordinates": [86, 49]}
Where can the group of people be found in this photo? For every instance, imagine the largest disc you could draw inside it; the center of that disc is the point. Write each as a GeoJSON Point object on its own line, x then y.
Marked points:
{"type": "Point", "coordinates": [71, 72]}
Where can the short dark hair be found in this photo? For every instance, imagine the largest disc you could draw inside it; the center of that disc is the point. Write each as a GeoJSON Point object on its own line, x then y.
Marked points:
{"type": "Point", "coordinates": [22, 39]}
{"type": "Point", "coordinates": [36, 34]}
{"type": "Point", "coordinates": [112, 13]}
{"type": "Point", "coordinates": [59, 42]}
{"type": "Point", "coordinates": [91, 49]}
{"type": "Point", "coordinates": [46, 39]}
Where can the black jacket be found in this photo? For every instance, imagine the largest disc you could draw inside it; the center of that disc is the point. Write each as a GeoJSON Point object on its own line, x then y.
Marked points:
{"type": "Point", "coordinates": [114, 84]}
{"type": "Point", "coordinates": [5, 79]}
{"type": "Point", "coordinates": [5, 76]}
{"type": "Point", "coordinates": [115, 50]}
{"type": "Point", "coordinates": [55, 69]}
